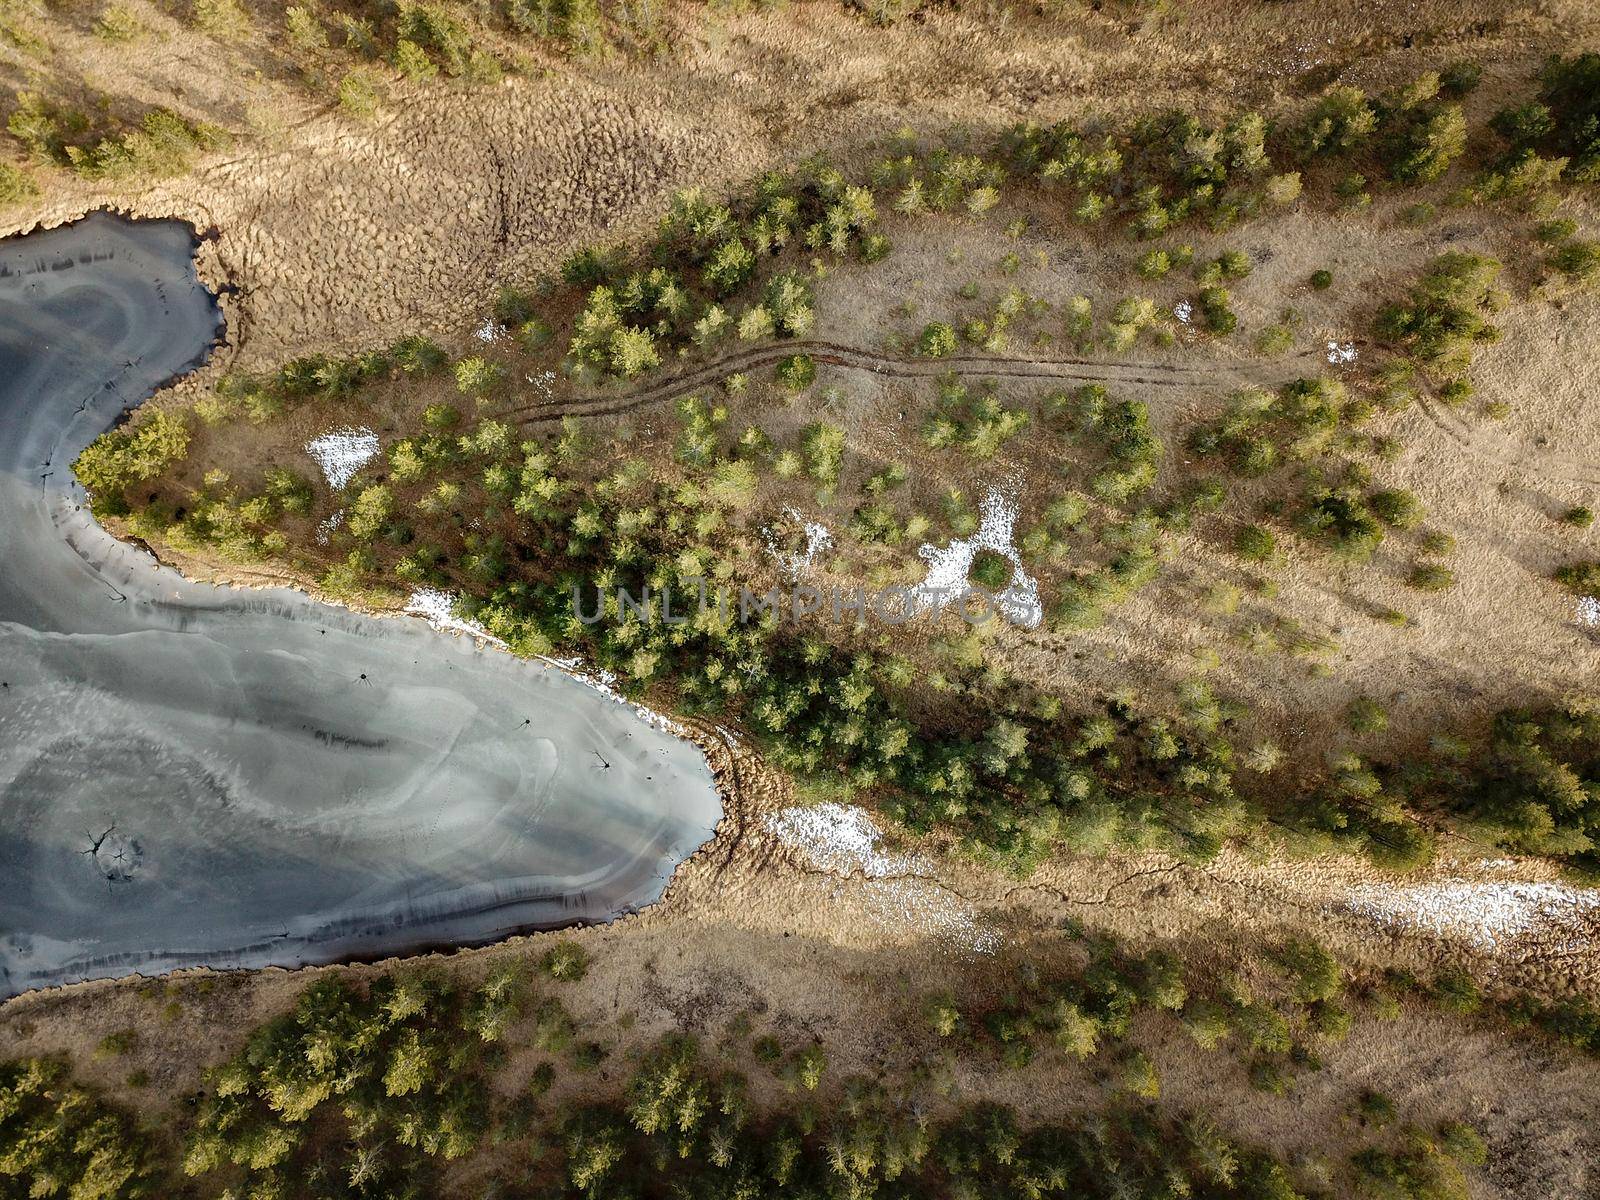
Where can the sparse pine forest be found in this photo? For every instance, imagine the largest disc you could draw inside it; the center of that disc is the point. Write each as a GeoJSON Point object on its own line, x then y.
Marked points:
{"type": "Point", "coordinates": [494, 499]}
{"type": "Point", "coordinates": [392, 1082]}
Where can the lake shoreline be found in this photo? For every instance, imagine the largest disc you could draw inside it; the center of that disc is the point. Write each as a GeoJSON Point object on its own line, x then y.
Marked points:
{"type": "Point", "coordinates": [450, 909]}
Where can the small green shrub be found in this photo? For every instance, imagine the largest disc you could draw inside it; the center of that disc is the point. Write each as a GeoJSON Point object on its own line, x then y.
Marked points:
{"type": "Point", "coordinates": [1582, 577]}
{"type": "Point", "coordinates": [16, 185]}
{"type": "Point", "coordinates": [221, 19]}
{"type": "Point", "coordinates": [1269, 1076]}
{"type": "Point", "coordinates": [1255, 543]}
{"type": "Point", "coordinates": [1274, 340]}
{"type": "Point", "coordinates": [937, 340]}
{"type": "Point", "coordinates": [1436, 541]}
{"type": "Point", "coordinates": [566, 961]}
{"type": "Point", "coordinates": [768, 1050]}
{"type": "Point", "coordinates": [1459, 78]}
{"type": "Point", "coordinates": [1234, 264]}
{"type": "Point", "coordinates": [115, 1045]}
{"type": "Point", "coordinates": [358, 93]}
{"type": "Point", "coordinates": [1312, 970]}
{"type": "Point", "coordinates": [119, 23]}
{"type": "Point", "coordinates": [1397, 508]}
{"type": "Point", "coordinates": [1374, 1109]}
{"type": "Point", "coordinates": [303, 29]}
{"type": "Point", "coordinates": [990, 571]}
{"type": "Point", "coordinates": [1215, 305]}
{"type": "Point", "coordinates": [1556, 230]}
{"type": "Point", "coordinates": [1154, 264]}
{"type": "Point", "coordinates": [797, 372]}
{"type": "Point", "coordinates": [542, 1079]}
{"type": "Point", "coordinates": [1454, 989]}
{"type": "Point", "coordinates": [1365, 715]}
{"type": "Point", "coordinates": [1463, 1143]}
{"type": "Point", "coordinates": [1579, 261]}
{"type": "Point", "coordinates": [1431, 577]}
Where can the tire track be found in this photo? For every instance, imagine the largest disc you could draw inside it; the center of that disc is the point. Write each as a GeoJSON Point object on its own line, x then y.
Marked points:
{"type": "Point", "coordinates": [901, 366]}
{"type": "Point", "coordinates": [1566, 470]}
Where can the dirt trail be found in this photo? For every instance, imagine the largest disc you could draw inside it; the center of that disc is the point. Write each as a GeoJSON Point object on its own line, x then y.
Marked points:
{"type": "Point", "coordinates": [1550, 466]}
{"type": "Point", "coordinates": [748, 878]}
{"type": "Point", "coordinates": [1218, 376]}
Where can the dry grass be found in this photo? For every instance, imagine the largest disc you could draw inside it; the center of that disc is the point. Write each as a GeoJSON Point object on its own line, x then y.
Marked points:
{"type": "Point", "coordinates": [339, 234]}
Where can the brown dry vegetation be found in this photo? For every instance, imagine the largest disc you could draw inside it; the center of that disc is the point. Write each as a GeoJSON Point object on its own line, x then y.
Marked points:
{"type": "Point", "coordinates": [338, 234]}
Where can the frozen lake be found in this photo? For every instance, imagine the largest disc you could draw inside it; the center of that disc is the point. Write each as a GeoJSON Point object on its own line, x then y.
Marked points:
{"type": "Point", "coordinates": [196, 775]}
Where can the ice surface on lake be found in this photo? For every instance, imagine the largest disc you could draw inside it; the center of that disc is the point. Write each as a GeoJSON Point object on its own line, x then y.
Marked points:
{"type": "Point", "coordinates": [196, 775]}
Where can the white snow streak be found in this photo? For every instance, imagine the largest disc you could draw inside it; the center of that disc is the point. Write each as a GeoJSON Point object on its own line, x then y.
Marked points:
{"type": "Point", "coordinates": [605, 683]}
{"type": "Point", "coordinates": [327, 525]}
{"type": "Point", "coordinates": [841, 838]}
{"type": "Point", "coordinates": [1483, 914]}
{"type": "Point", "coordinates": [818, 539]}
{"type": "Point", "coordinates": [438, 609]}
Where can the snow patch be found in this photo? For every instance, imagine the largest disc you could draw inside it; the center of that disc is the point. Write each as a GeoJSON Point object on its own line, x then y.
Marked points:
{"type": "Point", "coordinates": [1183, 310]}
{"type": "Point", "coordinates": [1340, 353]}
{"type": "Point", "coordinates": [818, 539]}
{"type": "Point", "coordinates": [843, 840]}
{"type": "Point", "coordinates": [327, 525]}
{"type": "Point", "coordinates": [1589, 611]}
{"type": "Point", "coordinates": [948, 566]}
{"type": "Point", "coordinates": [490, 331]}
{"type": "Point", "coordinates": [438, 609]}
{"type": "Point", "coordinates": [342, 452]}
{"type": "Point", "coordinates": [1486, 915]}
